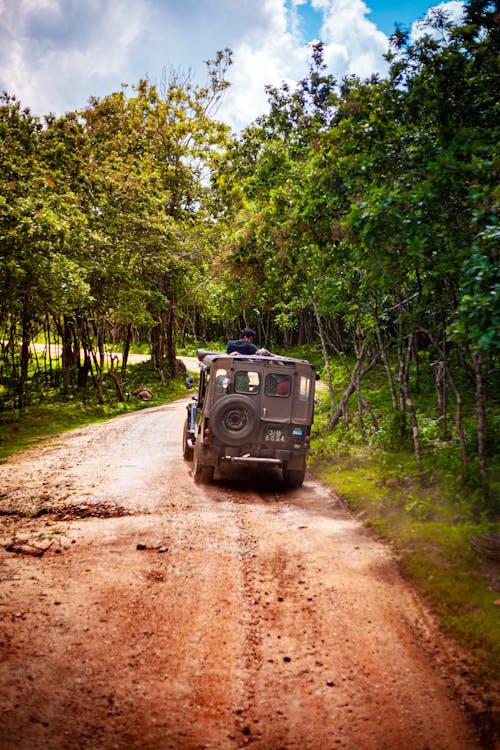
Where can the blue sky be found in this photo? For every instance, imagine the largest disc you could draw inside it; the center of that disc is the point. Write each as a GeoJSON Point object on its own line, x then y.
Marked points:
{"type": "Point", "coordinates": [384, 14]}
{"type": "Point", "coordinates": [56, 54]}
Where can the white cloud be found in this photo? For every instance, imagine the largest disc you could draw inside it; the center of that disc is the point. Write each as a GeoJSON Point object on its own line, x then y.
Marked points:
{"type": "Point", "coordinates": [275, 52]}
{"type": "Point", "coordinates": [58, 53]}
{"type": "Point", "coordinates": [55, 54]}
{"type": "Point", "coordinates": [254, 69]}
{"type": "Point", "coordinates": [354, 45]}
{"type": "Point", "coordinates": [268, 54]}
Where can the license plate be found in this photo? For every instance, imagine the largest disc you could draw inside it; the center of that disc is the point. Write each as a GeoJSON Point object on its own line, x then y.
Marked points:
{"type": "Point", "coordinates": [273, 435]}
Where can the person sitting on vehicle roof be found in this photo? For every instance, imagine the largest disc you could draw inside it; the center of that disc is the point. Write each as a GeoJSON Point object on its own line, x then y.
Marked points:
{"type": "Point", "coordinates": [243, 345]}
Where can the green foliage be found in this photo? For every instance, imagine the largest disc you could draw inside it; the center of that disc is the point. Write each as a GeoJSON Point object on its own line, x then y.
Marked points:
{"type": "Point", "coordinates": [477, 317]}
{"type": "Point", "coordinates": [105, 224]}
{"type": "Point", "coordinates": [371, 206]}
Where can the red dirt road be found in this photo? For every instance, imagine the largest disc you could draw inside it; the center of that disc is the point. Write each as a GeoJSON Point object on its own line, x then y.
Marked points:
{"type": "Point", "coordinates": [170, 615]}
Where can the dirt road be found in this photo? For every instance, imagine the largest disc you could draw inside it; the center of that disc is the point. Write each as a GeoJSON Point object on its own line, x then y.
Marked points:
{"type": "Point", "coordinates": [169, 615]}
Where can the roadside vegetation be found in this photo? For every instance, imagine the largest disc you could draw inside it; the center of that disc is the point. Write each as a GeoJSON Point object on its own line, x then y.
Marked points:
{"type": "Point", "coordinates": [355, 223]}
{"type": "Point", "coordinates": [443, 527]}
{"type": "Point", "coordinates": [50, 413]}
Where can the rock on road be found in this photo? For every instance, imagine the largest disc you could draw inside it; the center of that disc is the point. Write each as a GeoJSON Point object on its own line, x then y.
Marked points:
{"type": "Point", "coordinates": [171, 615]}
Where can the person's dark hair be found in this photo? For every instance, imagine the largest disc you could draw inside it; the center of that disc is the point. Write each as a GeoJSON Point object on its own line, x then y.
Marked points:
{"type": "Point", "coordinates": [247, 333]}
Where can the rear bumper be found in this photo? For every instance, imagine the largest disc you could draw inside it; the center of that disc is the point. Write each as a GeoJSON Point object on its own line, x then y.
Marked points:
{"type": "Point", "coordinates": [214, 454]}
{"type": "Point", "coordinates": [252, 460]}
{"type": "Point", "coordinates": [282, 458]}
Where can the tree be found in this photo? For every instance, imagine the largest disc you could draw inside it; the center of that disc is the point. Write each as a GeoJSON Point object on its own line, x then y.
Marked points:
{"type": "Point", "coordinates": [39, 219]}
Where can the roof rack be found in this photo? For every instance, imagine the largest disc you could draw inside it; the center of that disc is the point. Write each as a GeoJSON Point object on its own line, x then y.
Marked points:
{"type": "Point", "coordinates": [203, 354]}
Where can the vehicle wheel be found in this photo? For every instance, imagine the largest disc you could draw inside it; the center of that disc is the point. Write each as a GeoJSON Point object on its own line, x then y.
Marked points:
{"type": "Point", "coordinates": [294, 477]}
{"type": "Point", "coordinates": [203, 473]}
{"type": "Point", "coordinates": [187, 450]}
{"type": "Point", "coordinates": [234, 419]}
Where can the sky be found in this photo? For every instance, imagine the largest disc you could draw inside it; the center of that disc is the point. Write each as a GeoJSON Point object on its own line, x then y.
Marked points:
{"type": "Point", "coordinates": [56, 54]}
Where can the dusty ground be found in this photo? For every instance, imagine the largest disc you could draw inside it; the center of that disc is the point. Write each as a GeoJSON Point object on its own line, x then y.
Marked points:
{"type": "Point", "coordinates": [169, 615]}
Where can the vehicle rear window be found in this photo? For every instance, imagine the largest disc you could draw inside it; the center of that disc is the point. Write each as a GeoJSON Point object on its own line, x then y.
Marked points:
{"type": "Point", "coordinates": [221, 381]}
{"type": "Point", "coordinates": [278, 385]}
{"type": "Point", "coordinates": [246, 381]}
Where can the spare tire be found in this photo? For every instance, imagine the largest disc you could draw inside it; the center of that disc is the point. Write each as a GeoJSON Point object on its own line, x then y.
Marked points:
{"type": "Point", "coordinates": [234, 419]}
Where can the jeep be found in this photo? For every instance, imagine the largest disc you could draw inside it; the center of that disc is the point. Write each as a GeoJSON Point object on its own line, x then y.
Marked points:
{"type": "Point", "coordinates": [253, 409]}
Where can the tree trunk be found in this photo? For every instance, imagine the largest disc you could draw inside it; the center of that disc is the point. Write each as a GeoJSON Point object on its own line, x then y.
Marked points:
{"type": "Point", "coordinates": [88, 356]}
{"type": "Point", "coordinates": [366, 407]}
{"type": "Point", "coordinates": [414, 428]}
{"type": "Point", "coordinates": [458, 400]}
{"type": "Point", "coordinates": [481, 413]}
{"type": "Point", "coordinates": [99, 357]}
{"type": "Point", "coordinates": [387, 364]}
{"type": "Point", "coordinates": [49, 373]}
{"type": "Point", "coordinates": [158, 349]}
{"type": "Point", "coordinates": [324, 349]}
{"type": "Point", "coordinates": [25, 357]}
{"type": "Point", "coordinates": [402, 370]}
{"type": "Point", "coordinates": [170, 340]}
{"type": "Point", "coordinates": [126, 350]}
{"type": "Point", "coordinates": [83, 377]}
{"type": "Point", "coordinates": [70, 356]}
{"type": "Point", "coordinates": [360, 414]}
{"type": "Point", "coordinates": [458, 422]}
{"type": "Point", "coordinates": [115, 377]}
{"type": "Point", "coordinates": [405, 395]}
{"type": "Point", "coordinates": [439, 381]}
{"type": "Point", "coordinates": [357, 375]}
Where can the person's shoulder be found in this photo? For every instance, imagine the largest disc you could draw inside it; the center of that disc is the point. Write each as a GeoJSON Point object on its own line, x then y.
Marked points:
{"type": "Point", "coordinates": [242, 347]}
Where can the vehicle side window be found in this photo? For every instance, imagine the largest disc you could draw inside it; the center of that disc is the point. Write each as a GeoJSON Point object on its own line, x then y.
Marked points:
{"type": "Point", "coordinates": [304, 388]}
{"type": "Point", "coordinates": [278, 385]}
{"type": "Point", "coordinates": [246, 381]}
{"type": "Point", "coordinates": [202, 387]}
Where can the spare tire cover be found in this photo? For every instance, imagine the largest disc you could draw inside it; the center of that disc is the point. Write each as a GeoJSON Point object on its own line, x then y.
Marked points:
{"type": "Point", "coordinates": [234, 418]}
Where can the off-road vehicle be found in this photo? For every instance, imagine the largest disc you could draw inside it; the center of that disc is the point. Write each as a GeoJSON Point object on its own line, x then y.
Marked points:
{"type": "Point", "coordinates": [250, 409]}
